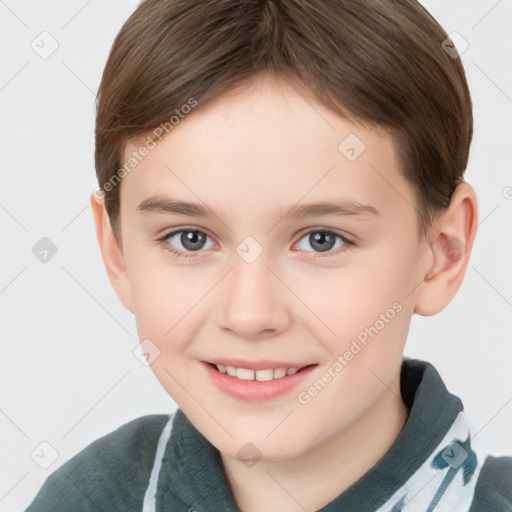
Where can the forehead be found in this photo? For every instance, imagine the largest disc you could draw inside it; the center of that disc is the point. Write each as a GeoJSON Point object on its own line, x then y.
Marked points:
{"type": "Point", "coordinates": [267, 145]}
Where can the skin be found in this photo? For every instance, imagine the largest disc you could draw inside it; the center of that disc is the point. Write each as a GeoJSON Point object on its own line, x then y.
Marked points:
{"type": "Point", "coordinates": [250, 155]}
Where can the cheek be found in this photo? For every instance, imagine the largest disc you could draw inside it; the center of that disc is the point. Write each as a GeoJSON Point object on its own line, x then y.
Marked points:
{"type": "Point", "coordinates": [370, 317]}
{"type": "Point", "coordinates": [362, 311]}
{"type": "Point", "coordinates": [170, 304]}
{"type": "Point", "coordinates": [350, 299]}
{"type": "Point", "coordinates": [160, 293]}
{"type": "Point", "coordinates": [167, 310]}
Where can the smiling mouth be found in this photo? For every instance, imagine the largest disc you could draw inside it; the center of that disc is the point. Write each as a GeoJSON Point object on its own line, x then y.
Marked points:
{"type": "Point", "coordinates": [264, 375]}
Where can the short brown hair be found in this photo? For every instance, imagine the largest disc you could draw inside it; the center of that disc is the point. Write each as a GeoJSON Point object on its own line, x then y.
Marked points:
{"type": "Point", "coordinates": [376, 61]}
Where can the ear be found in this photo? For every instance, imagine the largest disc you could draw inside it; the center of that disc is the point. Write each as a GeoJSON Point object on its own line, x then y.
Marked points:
{"type": "Point", "coordinates": [111, 252]}
{"type": "Point", "coordinates": [450, 247]}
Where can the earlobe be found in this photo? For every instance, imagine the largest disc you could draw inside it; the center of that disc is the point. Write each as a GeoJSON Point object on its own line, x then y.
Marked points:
{"type": "Point", "coordinates": [454, 234]}
{"type": "Point", "coordinates": [111, 252]}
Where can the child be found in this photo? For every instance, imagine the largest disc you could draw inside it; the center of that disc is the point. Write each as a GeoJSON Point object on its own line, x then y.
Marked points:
{"type": "Point", "coordinates": [281, 189]}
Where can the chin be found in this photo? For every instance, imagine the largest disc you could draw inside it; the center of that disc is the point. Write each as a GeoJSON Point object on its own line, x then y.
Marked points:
{"type": "Point", "coordinates": [261, 449]}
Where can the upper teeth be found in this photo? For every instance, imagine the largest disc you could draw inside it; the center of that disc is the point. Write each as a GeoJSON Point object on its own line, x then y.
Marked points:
{"type": "Point", "coordinates": [261, 375]}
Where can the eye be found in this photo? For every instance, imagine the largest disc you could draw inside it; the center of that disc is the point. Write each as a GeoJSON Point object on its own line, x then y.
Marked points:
{"type": "Point", "coordinates": [324, 241]}
{"type": "Point", "coordinates": [183, 243]}
{"type": "Point", "coordinates": [190, 240]}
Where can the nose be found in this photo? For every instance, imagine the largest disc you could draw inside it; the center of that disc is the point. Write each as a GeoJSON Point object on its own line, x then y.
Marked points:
{"type": "Point", "coordinates": [252, 302]}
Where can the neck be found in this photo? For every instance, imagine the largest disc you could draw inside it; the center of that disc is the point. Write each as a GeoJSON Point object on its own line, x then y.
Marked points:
{"type": "Point", "coordinates": [318, 476]}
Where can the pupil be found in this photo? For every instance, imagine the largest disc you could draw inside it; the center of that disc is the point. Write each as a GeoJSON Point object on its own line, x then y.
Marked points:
{"type": "Point", "coordinates": [322, 241]}
{"type": "Point", "coordinates": [192, 240]}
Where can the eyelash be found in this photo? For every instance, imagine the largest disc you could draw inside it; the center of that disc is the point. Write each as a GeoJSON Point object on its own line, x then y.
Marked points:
{"type": "Point", "coordinates": [182, 254]}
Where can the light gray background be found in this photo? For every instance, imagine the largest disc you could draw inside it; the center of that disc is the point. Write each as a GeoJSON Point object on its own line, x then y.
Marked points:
{"type": "Point", "coordinates": [68, 374]}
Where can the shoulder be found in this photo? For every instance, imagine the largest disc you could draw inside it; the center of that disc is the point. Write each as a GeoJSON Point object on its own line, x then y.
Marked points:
{"type": "Point", "coordinates": [111, 473]}
{"type": "Point", "coordinates": [494, 486]}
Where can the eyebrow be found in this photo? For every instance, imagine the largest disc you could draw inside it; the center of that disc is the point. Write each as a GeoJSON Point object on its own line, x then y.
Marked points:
{"type": "Point", "coordinates": [342, 208]}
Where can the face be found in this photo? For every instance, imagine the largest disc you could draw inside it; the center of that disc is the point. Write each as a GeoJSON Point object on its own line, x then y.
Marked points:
{"type": "Point", "coordinates": [253, 276]}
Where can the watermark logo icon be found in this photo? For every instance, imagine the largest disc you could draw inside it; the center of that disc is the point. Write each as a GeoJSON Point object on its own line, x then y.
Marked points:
{"type": "Point", "coordinates": [351, 147]}
{"type": "Point", "coordinates": [45, 45]}
{"type": "Point", "coordinates": [44, 455]}
{"type": "Point", "coordinates": [454, 455]}
{"type": "Point", "coordinates": [249, 454]}
{"type": "Point", "coordinates": [455, 45]}
{"type": "Point", "coordinates": [249, 249]}
{"type": "Point", "coordinates": [146, 352]}
{"type": "Point", "coordinates": [44, 250]}
{"type": "Point", "coordinates": [454, 249]}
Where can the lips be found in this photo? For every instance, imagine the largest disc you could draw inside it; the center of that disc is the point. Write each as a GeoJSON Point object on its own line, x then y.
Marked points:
{"type": "Point", "coordinates": [257, 380]}
{"type": "Point", "coordinates": [262, 375]}
{"type": "Point", "coordinates": [257, 370]}
{"type": "Point", "coordinates": [259, 365]}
